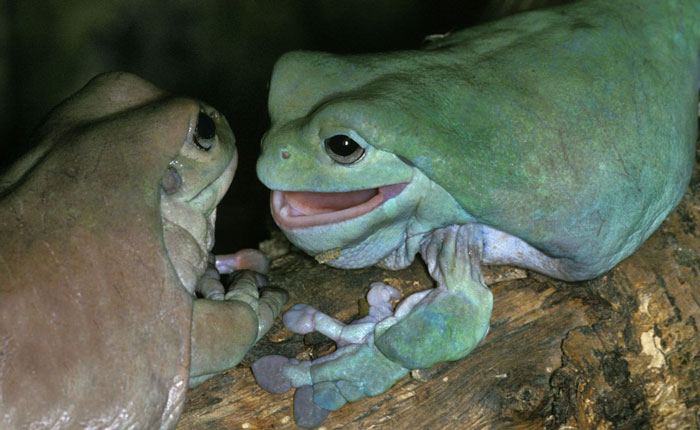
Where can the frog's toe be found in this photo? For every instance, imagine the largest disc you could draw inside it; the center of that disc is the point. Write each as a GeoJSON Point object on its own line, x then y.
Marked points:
{"type": "Point", "coordinates": [245, 259]}
{"type": "Point", "coordinates": [244, 288]}
{"type": "Point", "coordinates": [381, 294]}
{"type": "Point", "coordinates": [300, 318]}
{"type": "Point", "coordinates": [307, 413]}
{"type": "Point", "coordinates": [380, 298]}
{"type": "Point", "coordinates": [327, 396]}
{"type": "Point", "coordinates": [268, 374]}
{"type": "Point", "coordinates": [409, 303]}
{"type": "Point", "coordinates": [269, 307]}
{"type": "Point", "coordinates": [211, 288]}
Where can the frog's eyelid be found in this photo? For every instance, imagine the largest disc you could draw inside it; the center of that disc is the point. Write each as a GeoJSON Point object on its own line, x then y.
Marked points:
{"type": "Point", "coordinates": [352, 134]}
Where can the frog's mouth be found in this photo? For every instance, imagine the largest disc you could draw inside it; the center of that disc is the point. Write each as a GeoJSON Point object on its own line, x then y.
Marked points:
{"type": "Point", "coordinates": [299, 209]}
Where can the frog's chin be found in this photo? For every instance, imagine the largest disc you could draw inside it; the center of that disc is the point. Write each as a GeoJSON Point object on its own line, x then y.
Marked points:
{"type": "Point", "coordinates": [301, 209]}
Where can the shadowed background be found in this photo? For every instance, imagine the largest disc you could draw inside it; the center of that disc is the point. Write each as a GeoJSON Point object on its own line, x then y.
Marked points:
{"type": "Point", "coordinates": [218, 51]}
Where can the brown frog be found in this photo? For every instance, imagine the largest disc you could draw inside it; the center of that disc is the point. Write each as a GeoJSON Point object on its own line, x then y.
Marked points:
{"type": "Point", "coordinates": [110, 302]}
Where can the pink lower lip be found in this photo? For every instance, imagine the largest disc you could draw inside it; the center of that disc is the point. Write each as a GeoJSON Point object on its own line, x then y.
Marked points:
{"type": "Point", "coordinates": [298, 209]}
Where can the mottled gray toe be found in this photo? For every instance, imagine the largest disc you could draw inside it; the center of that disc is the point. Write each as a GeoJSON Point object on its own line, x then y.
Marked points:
{"type": "Point", "coordinates": [268, 374]}
{"type": "Point", "coordinates": [307, 414]}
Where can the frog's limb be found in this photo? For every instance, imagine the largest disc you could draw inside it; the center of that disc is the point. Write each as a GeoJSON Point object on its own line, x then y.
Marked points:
{"type": "Point", "coordinates": [355, 370]}
{"type": "Point", "coordinates": [450, 320]}
{"type": "Point", "coordinates": [304, 319]}
{"type": "Point", "coordinates": [428, 327]}
{"type": "Point", "coordinates": [266, 306]}
{"type": "Point", "coordinates": [307, 413]}
{"type": "Point", "coordinates": [245, 259]}
{"type": "Point", "coordinates": [224, 330]}
{"type": "Point", "coordinates": [210, 286]}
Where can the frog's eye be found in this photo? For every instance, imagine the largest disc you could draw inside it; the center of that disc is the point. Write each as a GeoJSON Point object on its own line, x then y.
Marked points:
{"type": "Point", "coordinates": [205, 132]}
{"type": "Point", "coordinates": [343, 149]}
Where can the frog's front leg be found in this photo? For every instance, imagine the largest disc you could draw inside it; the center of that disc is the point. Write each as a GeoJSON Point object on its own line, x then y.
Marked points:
{"type": "Point", "coordinates": [224, 330]}
{"type": "Point", "coordinates": [451, 319]}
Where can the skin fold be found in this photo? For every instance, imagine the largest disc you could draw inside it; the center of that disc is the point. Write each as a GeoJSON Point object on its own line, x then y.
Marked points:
{"type": "Point", "coordinates": [107, 228]}
{"type": "Point", "coordinates": [556, 140]}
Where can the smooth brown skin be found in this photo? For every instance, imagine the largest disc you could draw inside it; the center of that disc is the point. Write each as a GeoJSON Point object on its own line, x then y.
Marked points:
{"type": "Point", "coordinates": [95, 325]}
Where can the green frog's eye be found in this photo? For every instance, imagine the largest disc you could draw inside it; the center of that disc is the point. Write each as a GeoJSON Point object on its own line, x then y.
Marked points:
{"type": "Point", "coordinates": [205, 132]}
{"type": "Point", "coordinates": [343, 149]}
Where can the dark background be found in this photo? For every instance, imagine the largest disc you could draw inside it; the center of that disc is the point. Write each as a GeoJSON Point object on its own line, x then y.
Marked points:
{"type": "Point", "coordinates": [220, 51]}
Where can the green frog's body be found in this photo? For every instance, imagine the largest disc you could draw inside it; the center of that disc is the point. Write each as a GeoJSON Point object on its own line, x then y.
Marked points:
{"type": "Point", "coordinates": [557, 140]}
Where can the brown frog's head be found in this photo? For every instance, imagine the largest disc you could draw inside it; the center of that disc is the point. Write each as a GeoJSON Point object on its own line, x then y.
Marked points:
{"type": "Point", "coordinates": [122, 149]}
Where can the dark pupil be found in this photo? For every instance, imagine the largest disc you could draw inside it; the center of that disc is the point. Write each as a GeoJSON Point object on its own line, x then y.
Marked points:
{"type": "Point", "coordinates": [342, 145]}
{"type": "Point", "coordinates": [206, 129]}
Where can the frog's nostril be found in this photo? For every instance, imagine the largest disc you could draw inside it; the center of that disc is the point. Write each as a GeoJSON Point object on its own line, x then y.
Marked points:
{"type": "Point", "coordinates": [285, 155]}
{"type": "Point", "coordinates": [206, 129]}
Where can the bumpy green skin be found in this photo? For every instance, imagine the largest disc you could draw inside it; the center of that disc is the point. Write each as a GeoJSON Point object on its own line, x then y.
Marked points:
{"type": "Point", "coordinates": [572, 129]}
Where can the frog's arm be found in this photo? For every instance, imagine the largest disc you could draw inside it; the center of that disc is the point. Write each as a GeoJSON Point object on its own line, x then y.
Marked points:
{"type": "Point", "coordinates": [224, 330]}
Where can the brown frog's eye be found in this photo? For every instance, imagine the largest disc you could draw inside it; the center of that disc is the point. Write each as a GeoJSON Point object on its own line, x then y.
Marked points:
{"type": "Point", "coordinates": [204, 132]}
{"type": "Point", "coordinates": [343, 149]}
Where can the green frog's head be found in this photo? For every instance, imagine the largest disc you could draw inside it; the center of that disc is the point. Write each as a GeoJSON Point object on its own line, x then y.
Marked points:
{"type": "Point", "coordinates": [333, 187]}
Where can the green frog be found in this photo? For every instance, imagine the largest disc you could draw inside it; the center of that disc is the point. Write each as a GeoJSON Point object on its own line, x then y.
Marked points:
{"type": "Point", "coordinates": [556, 140]}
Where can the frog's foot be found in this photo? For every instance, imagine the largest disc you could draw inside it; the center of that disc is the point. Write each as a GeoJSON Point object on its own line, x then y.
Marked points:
{"type": "Point", "coordinates": [245, 259]}
{"type": "Point", "coordinates": [266, 302]}
{"type": "Point", "coordinates": [209, 285]}
{"type": "Point", "coordinates": [357, 369]}
{"type": "Point", "coordinates": [269, 370]}
{"type": "Point", "coordinates": [224, 330]}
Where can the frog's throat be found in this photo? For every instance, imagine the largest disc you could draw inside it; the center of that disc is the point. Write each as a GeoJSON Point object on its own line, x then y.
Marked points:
{"type": "Point", "coordinates": [299, 209]}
